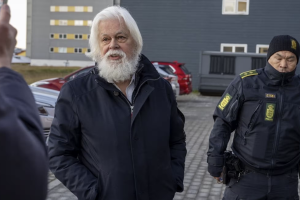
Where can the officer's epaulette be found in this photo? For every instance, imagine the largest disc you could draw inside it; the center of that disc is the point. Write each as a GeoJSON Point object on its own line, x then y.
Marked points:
{"type": "Point", "coordinates": [249, 73]}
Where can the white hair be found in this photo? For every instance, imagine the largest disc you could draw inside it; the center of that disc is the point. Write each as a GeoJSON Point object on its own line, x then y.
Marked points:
{"type": "Point", "coordinates": [113, 12]}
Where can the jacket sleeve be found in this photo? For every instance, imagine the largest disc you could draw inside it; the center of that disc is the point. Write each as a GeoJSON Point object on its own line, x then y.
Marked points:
{"type": "Point", "coordinates": [177, 144]}
{"type": "Point", "coordinates": [22, 148]}
{"type": "Point", "coordinates": [225, 117]}
{"type": "Point", "coordinates": [64, 148]}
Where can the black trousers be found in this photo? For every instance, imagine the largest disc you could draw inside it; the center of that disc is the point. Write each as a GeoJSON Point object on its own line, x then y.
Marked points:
{"type": "Point", "coordinates": [257, 186]}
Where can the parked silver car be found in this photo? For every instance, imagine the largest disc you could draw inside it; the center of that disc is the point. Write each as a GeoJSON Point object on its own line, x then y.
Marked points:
{"type": "Point", "coordinates": [170, 76]}
{"type": "Point", "coordinates": [45, 100]}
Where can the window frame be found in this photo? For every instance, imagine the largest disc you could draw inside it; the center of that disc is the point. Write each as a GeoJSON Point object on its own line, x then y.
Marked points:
{"type": "Point", "coordinates": [261, 46]}
{"type": "Point", "coordinates": [234, 47]}
{"type": "Point", "coordinates": [236, 12]}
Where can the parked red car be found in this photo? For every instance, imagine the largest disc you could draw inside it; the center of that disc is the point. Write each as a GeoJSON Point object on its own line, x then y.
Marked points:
{"type": "Point", "coordinates": [57, 83]}
{"type": "Point", "coordinates": [184, 76]}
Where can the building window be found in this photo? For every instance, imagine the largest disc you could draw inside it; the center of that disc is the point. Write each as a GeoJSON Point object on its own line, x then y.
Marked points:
{"type": "Point", "coordinates": [262, 48]}
{"type": "Point", "coordinates": [80, 36]}
{"type": "Point", "coordinates": [222, 65]}
{"type": "Point", "coordinates": [60, 36]}
{"type": "Point", "coordinates": [51, 35]}
{"type": "Point", "coordinates": [68, 50]}
{"type": "Point", "coordinates": [65, 36]}
{"type": "Point", "coordinates": [54, 22]}
{"type": "Point", "coordinates": [78, 22]}
{"type": "Point", "coordinates": [235, 7]}
{"type": "Point", "coordinates": [71, 9]}
{"type": "Point", "coordinates": [62, 50]}
{"type": "Point", "coordinates": [234, 48]}
{"type": "Point", "coordinates": [88, 50]}
{"type": "Point", "coordinates": [76, 36]}
{"type": "Point", "coordinates": [88, 36]}
{"type": "Point", "coordinates": [258, 63]}
{"type": "Point", "coordinates": [62, 22]}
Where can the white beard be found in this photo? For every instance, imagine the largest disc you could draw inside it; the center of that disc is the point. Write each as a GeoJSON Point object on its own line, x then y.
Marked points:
{"type": "Point", "coordinates": [117, 71]}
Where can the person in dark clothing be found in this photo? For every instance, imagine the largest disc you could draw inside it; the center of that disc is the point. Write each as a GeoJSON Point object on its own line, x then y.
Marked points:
{"type": "Point", "coordinates": [24, 160]}
{"type": "Point", "coordinates": [117, 132]}
{"type": "Point", "coordinates": [263, 108]}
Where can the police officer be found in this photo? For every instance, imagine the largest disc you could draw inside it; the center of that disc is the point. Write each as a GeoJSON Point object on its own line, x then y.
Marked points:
{"type": "Point", "coordinates": [263, 108]}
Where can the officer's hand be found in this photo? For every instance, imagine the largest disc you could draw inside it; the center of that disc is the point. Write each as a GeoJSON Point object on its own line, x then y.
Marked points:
{"type": "Point", "coordinates": [7, 37]}
{"type": "Point", "coordinates": [219, 179]}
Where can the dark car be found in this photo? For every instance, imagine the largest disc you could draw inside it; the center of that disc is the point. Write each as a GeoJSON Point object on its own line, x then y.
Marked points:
{"type": "Point", "coordinates": [183, 74]}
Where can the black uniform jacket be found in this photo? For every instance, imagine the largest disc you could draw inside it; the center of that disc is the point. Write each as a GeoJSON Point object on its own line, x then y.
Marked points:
{"type": "Point", "coordinates": [103, 147]}
{"type": "Point", "coordinates": [23, 154]}
{"type": "Point", "coordinates": [263, 108]}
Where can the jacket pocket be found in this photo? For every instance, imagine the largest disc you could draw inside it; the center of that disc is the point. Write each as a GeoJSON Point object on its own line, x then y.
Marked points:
{"type": "Point", "coordinates": [252, 121]}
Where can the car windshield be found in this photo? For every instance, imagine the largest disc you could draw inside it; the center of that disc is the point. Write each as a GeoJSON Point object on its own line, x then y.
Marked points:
{"type": "Point", "coordinates": [167, 69]}
{"type": "Point", "coordinates": [184, 69]}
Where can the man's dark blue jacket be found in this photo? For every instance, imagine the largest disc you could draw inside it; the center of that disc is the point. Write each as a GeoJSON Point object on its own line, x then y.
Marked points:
{"type": "Point", "coordinates": [102, 147]}
{"type": "Point", "coordinates": [23, 155]}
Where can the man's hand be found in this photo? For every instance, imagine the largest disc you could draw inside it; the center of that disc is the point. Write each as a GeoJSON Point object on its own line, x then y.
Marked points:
{"type": "Point", "coordinates": [7, 37]}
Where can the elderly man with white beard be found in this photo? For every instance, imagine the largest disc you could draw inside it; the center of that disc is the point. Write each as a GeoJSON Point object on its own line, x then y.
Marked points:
{"type": "Point", "coordinates": [117, 132]}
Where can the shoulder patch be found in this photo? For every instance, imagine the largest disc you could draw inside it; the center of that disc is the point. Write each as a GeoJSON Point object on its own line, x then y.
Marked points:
{"type": "Point", "coordinates": [249, 73]}
{"type": "Point", "coordinates": [224, 102]}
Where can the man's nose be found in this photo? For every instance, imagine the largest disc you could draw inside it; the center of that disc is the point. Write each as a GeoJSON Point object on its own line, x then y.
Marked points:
{"type": "Point", "coordinates": [114, 44]}
{"type": "Point", "coordinates": [283, 63]}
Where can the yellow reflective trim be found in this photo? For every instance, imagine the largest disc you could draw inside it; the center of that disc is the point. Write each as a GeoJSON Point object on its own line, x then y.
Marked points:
{"type": "Point", "coordinates": [70, 50]}
{"type": "Point", "coordinates": [70, 36]}
{"type": "Point", "coordinates": [56, 36]}
{"type": "Point", "coordinates": [71, 22]}
{"type": "Point", "coordinates": [84, 36]}
{"type": "Point", "coordinates": [55, 49]}
{"type": "Point", "coordinates": [71, 8]}
{"type": "Point", "coordinates": [56, 8]}
{"type": "Point", "coordinates": [85, 9]}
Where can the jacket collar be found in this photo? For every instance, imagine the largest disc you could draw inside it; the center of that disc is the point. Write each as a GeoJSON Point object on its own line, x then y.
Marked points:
{"type": "Point", "coordinates": [276, 77]}
{"type": "Point", "coordinates": [145, 71]}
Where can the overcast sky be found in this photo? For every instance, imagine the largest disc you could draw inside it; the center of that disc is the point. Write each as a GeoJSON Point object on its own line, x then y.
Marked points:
{"type": "Point", "coordinates": [18, 20]}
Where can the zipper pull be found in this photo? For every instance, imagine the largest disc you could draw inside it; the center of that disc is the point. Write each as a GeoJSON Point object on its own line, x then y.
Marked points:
{"type": "Point", "coordinates": [131, 107]}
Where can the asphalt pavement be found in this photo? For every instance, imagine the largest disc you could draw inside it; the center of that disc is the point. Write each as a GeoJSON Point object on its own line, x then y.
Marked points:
{"type": "Point", "coordinates": [198, 184]}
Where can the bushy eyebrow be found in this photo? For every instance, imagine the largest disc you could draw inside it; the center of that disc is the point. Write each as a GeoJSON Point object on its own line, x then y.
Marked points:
{"type": "Point", "coordinates": [120, 32]}
{"type": "Point", "coordinates": [278, 54]}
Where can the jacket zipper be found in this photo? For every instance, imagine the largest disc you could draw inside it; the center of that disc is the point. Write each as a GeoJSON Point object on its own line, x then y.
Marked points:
{"type": "Point", "coordinates": [233, 104]}
{"type": "Point", "coordinates": [278, 123]}
{"type": "Point", "coordinates": [131, 109]}
{"type": "Point", "coordinates": [252, 121]}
